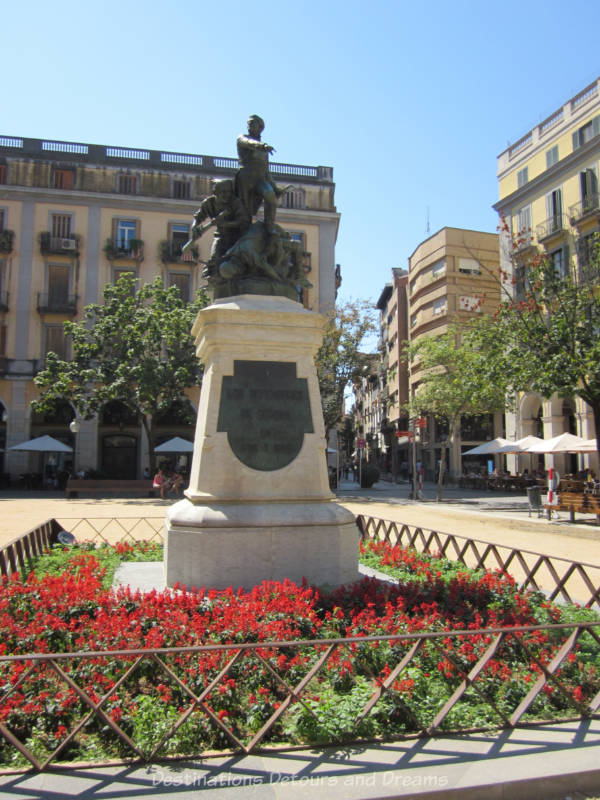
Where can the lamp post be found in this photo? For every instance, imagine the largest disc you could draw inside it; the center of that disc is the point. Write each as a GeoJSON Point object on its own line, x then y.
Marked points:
{"type": "Point", "coordinates": [74, 427]}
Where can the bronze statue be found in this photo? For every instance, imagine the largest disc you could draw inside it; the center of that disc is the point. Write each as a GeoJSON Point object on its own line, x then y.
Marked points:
{"type": "Point", "coordinates": [254, 184]}
{"type": "Point", "coordinates": [249, 257]}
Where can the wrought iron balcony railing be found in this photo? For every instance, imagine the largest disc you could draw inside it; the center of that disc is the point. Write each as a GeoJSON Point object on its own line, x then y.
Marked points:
{"type": "Point", "coordinates": [550, 227]}
{"type": "Point", "coordinates": [58, 303]}
{"type": "Point", "coordinates": [61, 245]}
{"type": "Point", "coordinates": [170, 251]}
{"type": "Point", "coordinates": [7, 239]}
{"type": "Point", "coordinates": [589, 205]}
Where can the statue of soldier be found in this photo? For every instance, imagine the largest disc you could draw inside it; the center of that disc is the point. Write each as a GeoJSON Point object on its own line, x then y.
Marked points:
{"type": "Point", "coordinates": [227, 213]}
{"type": "Point", "coordinates": [253, 182]}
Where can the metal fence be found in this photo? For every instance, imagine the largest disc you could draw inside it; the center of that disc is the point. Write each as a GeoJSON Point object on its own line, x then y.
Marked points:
{"type": "Point", "coordinates": [561, 579]}
{"type": "Point", "coordinates": [403, 655]}
{"type": "Point", "coordinates": [551, 688]}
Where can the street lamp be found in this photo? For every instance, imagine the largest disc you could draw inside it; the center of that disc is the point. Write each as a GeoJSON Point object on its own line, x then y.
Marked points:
{"type": "Point", "coordinates": [74, 427]}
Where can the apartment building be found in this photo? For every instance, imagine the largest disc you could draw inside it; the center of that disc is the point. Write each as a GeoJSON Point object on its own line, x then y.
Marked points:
{"type": "Point", "coordinates": [75, 216]}
{"type": "Point", "coordinates": [548, 196]}
{"type": "Point", "coordinates": [453, 276]}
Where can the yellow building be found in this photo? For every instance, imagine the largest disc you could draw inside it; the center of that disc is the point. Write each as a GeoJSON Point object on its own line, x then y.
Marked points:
{"type": "Point", "coordinates": [452, 277]}
{"type": "Point", "coordinates": [548, 190]}
{"type": "Point", "coordinates": [74, 216]}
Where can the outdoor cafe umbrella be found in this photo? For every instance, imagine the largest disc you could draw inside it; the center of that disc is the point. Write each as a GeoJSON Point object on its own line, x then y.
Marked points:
{"type": "Point", "coordinates": [175, 445]}
{"type": "Point", "coordinates": [565, 443]}
{"type": "Point", "coordinates": [521, 445]}
{"type": "Point", "coordinates": [488, 448]}
{"type": "Point", "coordinates": [43, 444]}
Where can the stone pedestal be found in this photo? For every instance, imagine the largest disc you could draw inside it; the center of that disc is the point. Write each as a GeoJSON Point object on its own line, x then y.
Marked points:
{"type": "Point", "coordinates": [258, 505]}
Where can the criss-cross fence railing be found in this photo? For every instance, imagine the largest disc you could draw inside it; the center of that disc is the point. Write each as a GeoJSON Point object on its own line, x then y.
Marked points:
{"type": "Point", "coordinates": [548, 686]}
{"type": "Point", "coordinates": [559, 578]}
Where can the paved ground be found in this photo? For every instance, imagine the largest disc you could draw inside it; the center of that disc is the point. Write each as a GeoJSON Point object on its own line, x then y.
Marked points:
{"type": "Point", "coordinates": [549, 763]}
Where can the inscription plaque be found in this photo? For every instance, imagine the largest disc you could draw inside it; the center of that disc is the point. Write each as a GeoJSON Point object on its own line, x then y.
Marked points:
{"type": "Point", "coordinates": [265, 411]}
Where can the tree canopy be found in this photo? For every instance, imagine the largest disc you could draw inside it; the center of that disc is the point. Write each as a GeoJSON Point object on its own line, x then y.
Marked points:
{"type": "Point", "coordinates": [135, 347]}
{"type": "Point", "coordinates": [452, 380]}
{"type": "Point", "coordinates": [340, 359]}
{"type": "Point", "coordinates": [550, 330]}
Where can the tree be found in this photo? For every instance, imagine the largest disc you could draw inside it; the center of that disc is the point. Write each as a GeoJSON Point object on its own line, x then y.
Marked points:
{"type": "Point", "coordinates": [340, 359]}
{"type": "Point", "coordinates": [136, 348]}
{"type": "Point", "coordinates": [453, 383]}
{"type": "Point", "coordinates": [551, 330]}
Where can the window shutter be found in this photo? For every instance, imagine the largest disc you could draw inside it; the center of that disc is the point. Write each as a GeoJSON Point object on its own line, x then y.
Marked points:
{"type": "Point", "coordinates": [575, 140]}
{"type": "Point", "coordinates": [596, 126]}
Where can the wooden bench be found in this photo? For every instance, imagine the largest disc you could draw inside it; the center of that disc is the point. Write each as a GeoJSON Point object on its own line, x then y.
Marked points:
{"type": "Point", "coordinates": [574, 502]}
{"type": "Point", "coordinates": [74, 486]}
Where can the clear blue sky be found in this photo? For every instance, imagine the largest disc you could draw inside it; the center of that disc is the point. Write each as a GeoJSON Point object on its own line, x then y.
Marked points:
{"type": "Point", "coordinates": [410, 103]}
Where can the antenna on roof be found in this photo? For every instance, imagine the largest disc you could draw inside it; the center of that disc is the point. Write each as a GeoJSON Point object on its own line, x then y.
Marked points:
{"type": "Point", "coordinates": [427, 228]}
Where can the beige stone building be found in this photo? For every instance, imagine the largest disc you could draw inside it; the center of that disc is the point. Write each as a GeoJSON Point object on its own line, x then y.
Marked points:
{"type": "Point", "coordinates": [74, 216]}
{"type": "Point", "coordinates": [548, 195]}
{"type": "Point", "coordinates": [452, 277]}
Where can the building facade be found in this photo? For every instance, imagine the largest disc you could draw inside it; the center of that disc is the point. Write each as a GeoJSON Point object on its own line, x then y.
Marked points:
{"type": "Point", "coordinates": [75, 216]}
{"type": "Point", "coordinates": [549, 200]}
{"type": "Point", "coordinates": [452, 277]}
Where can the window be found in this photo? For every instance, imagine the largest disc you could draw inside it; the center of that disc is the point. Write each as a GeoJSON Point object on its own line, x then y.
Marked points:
{"type": "Point", "coordinates": [180, 234]}
{"type": "Point", "coordinates": [559, 261]}
{"type": "Point", "coordinates": [524, 226]}
{"type": "Point", "coordinates": [125, 231]}
{"type": "Point", "coordinates": [63, 178]}
{"type": "Point", "coordinates": [3, 173]}
{"type": "Point", "coordinates": [294, 198]}
{"type": "Point", "coordinates": [554, 210]}
{"type": "Point", "coordinates": [181, 190]}
{"type": "Point", "coordinates": [469, 266]}
{"type": "Point", "coordinates": [60, 226]}
{"type": "Point", "coordinates": [438, 269]}
{"type": "Point", "coordinates": [588, 182]}
{"type": "Point", "coordinates": [552, 156]}
{"type": "Point", "coordinates": [2, 340]}
{"type": "Point", "coordinates": [470, 303]}
{"type": "Point", "coordinates": [54, 340]}
{"type": "Point", "coordinates": [58, 284]}
{"type": "Point", "coordinates": [413, 320]}
{"type": "Point", "coordinates": [440, 306]}
{"type": "Point", "coordinates": [586, 132]}
{"type": "Point", "coordinates": [2, 219]}
{"type": "Point", "coordinates": [182, 281]}
{"type": "Point", "coordinates": [522, 176]}
{"type": "Point", "coordinates": [127, 184]}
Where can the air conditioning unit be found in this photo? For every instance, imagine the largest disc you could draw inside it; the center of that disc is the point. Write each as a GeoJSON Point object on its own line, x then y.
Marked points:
{"type": "Point", "coordinates": [68, 244]}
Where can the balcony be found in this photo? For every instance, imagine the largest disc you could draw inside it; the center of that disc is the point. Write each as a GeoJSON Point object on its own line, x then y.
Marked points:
{"type": "Point", "coordinates": [56, 303]}
{"type": "Point", "coordinates": [170, 252]}
{"type": "Point", "coordinates": [59, 245]}
{"type": "Point", "coordinates": [4, 301]}
{"type": "Point", "coordinates": [585, 209]}
{"type": "Point", "coordinates": [132, 250]}
{"type": "Point", "coordinates": [550, 228]}
{"type": "Point", "coordinates": [7, 239]}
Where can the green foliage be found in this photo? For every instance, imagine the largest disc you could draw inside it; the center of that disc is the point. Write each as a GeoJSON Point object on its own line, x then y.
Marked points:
{"type": "Point", "coordinates": [455, 378]}
{"type": "Point", "coordinates": [549, 332]}
{"type": "Point", "coordinates": [340, 360]}
{"type": "Point", "coordinates": [369, 476]}
{"type": "Point", "coordinates": [136, 347]}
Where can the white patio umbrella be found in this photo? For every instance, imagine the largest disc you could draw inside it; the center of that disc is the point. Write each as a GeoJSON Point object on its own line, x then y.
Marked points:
{"type": "Point", "coordinates": [488, 447]}
{"type": "Point", "coordinates": [565, 443]}
{"type": "Point", "coordinates": [521, 445]}
{"type": "Point", "coordinates": [43, 444]}
{"type": "Point", "coordinates": [175, 445]}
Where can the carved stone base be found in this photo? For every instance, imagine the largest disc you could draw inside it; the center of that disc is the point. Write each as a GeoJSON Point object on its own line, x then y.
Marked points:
{"type": "Point", "coordinates": [259, 506]}
{"type": "Point", "coordinates": [243, 545]}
